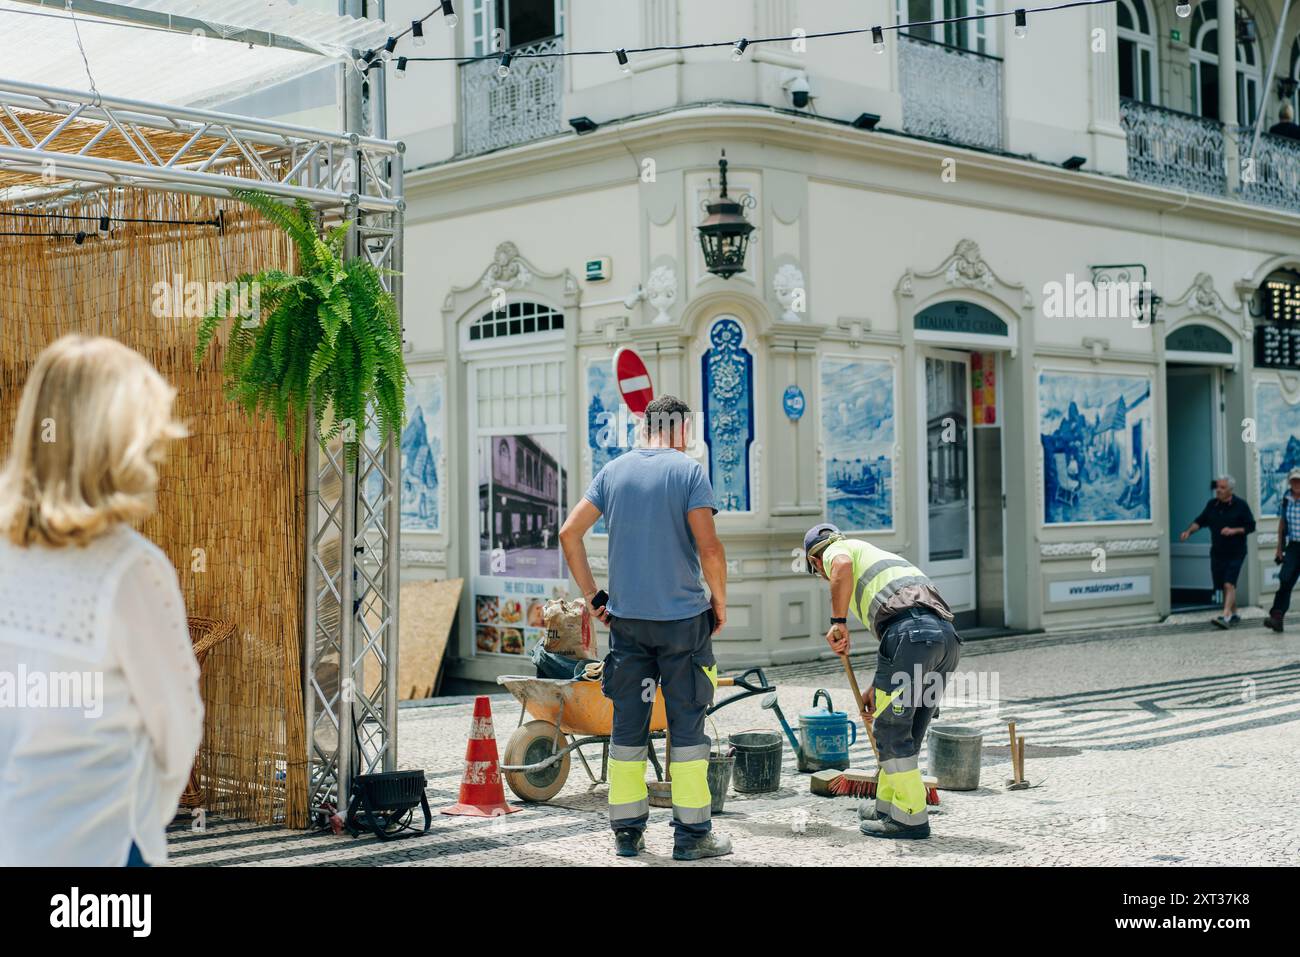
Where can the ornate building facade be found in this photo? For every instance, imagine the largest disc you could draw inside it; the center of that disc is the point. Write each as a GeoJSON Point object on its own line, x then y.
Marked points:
{"type": "Point", "coordinates": [1020, 373]}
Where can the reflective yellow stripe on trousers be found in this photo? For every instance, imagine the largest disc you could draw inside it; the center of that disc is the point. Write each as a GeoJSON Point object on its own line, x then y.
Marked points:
{"type": "Point", "coordinates": [689, 770]}
{"type": "Point", "coordinates": [900, 792]}
{"type": "Point", "coordinates": [628, 797]}
{"type": "Point", "coordinates": [690, 773]}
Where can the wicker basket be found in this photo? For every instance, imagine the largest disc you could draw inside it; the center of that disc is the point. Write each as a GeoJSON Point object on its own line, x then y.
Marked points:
{"type": "Point", "coordinates": [205, 634]}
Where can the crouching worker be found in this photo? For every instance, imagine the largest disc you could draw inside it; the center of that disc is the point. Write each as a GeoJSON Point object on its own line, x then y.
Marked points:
{"type": "Point", "coordinates": [658, 506]}
{"type": "Point", "coordinates": [918, 650]}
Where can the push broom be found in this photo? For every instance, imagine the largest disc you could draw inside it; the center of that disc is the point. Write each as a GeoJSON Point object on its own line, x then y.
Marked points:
{"type": "Point", "coordinates": [859, 784]}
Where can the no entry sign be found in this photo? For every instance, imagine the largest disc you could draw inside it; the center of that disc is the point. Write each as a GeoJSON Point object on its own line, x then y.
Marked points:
{"type": "Point", "coordinates": [633, 380]}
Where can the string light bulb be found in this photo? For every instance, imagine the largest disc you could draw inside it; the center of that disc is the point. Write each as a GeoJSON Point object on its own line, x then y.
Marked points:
{"type": "Point", "coordinates": [363, 62]}
{"type": "Point", "coordinates": [878, 39]}
{"type": "Point", "coordinates": [401, 67]}
{"type": "Point", "coordinates": [1183, 9]}
{"type": "Point", "coordinates": [1022, 25]}
{"type": "Point", "coordinates": [417, 33]}
{"type": "Point", "coordinates": [449, 14]}
{"type": "Point", "coordinates": [738, 51]}
{"type": "Point", "coordinates": [389, 46]}
{"type": "Point", "coordinates": [623, 63]}
{"type": "Point", "coordinates": [503, 68]}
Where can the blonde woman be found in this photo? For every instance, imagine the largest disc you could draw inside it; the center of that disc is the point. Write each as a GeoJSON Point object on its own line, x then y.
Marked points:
{"type": "Point", "coordinates": [102, 716]}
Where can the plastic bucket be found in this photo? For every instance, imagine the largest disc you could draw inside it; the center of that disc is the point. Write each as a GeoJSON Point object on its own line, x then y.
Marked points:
{"type": "Point", "coordinates": [720, 766]}
{"type": "Point", "coordinates": [758, 761]}
{"type": "Point", "coordinates": [955, 756]}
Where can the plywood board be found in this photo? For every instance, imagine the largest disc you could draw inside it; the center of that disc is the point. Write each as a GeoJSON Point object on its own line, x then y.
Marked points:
{"type": "Point", "coordinates": [427, 611]}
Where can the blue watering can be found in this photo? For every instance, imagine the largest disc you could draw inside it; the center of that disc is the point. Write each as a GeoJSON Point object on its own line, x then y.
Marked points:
{"type": "Point", "coordinates": [827, 734]}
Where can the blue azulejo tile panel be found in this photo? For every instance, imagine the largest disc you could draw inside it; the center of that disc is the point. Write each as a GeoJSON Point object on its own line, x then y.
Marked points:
{"type": "Point", "coordinates": [728, 385]}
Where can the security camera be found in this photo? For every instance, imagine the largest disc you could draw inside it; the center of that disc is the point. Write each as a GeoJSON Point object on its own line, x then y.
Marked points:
{"type": "Point", "coordinates": [796, 84]}
{"type": "Point", "coordinates": [635, 296]}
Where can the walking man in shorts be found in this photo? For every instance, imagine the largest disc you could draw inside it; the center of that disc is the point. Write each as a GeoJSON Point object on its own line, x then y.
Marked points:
{"type": "Point", "coordinates": [1229, 520]}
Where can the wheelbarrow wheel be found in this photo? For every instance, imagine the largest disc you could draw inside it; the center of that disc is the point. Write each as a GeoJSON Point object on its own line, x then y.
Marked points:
{"type": "Point", "coordinates": [531, 744]}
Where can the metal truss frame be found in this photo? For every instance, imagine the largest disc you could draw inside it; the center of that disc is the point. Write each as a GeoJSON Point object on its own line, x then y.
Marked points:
{"type": "Point", "coordinates": [216, 151]}
{"type": "Point", "coordinates": [352, 578]}
{"type": "Point", "coordinates": [352, 511]}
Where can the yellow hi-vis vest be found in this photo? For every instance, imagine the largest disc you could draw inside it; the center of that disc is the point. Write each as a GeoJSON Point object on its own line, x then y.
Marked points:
{"type": "Point", "coordinates": [878, 575]}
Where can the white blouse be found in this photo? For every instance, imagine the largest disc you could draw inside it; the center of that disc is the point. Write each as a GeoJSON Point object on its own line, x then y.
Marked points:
{"type": "Point", "coordinates": [100, 713]}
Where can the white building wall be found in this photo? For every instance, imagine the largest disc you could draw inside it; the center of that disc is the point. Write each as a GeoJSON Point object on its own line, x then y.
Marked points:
{"type": "Point", "coordinates": [872, 220]}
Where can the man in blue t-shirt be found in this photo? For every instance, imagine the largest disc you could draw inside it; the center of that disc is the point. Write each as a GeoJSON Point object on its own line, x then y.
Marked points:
{"type": "Point", "coordinates": [663, 549]}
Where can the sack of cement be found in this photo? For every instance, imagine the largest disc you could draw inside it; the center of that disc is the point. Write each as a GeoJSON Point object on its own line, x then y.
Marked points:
{"type": "Point", "coordinates": [568, 628]}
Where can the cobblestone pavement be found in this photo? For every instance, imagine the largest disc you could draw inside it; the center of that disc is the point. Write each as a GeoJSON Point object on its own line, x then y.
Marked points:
{"type": "Point", "coordinates": [1175, 744]}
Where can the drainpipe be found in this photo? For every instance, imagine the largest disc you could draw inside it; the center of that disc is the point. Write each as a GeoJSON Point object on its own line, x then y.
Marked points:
{"type": "Point", "coordinates": [1227, 37]}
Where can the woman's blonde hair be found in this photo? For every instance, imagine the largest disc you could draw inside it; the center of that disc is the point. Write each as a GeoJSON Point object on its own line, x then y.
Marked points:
{"type": "Point", "coordinates": [92, 425]}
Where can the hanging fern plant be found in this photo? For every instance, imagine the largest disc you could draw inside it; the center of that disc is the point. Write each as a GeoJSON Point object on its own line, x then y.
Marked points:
{"type": "Point", "coordinates": [327, 339]}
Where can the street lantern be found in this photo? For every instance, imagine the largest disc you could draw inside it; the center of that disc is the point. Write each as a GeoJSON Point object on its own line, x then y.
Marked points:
{"type": "Point", "coordinates": [724, 234]}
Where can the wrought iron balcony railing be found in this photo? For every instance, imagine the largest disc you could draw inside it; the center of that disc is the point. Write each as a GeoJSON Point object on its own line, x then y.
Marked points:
{"type": "Point", "coordinates": [950, 93]}
{"type": "Point", "coordinates": [1173, 149]}
{"type": "Point", "coordinates": [500, 111]}
{"type": "Point", "coordinates": [1273, 178]}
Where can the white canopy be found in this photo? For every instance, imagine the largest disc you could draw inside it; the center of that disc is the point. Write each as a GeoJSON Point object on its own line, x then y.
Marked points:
{"type": "Point", "coordinates": [185, 52]}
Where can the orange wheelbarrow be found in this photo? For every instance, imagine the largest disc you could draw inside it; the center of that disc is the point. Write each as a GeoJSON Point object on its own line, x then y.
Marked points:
{"type": "Point", "coordinates": [569, 714]}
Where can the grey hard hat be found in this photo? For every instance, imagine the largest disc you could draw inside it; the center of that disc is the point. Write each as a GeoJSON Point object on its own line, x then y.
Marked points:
{"type": "Point", "coordinates": [814, 535]}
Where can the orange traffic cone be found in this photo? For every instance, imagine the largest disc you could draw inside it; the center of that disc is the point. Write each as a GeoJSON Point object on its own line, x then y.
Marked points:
{"type": "Point", "coordinates": [481, 793]}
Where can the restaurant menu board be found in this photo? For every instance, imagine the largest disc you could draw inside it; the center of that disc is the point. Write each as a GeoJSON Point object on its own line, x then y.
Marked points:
{"type": "Point", "coordinates": [984, 388]}
{"type": "Point", "coordinates": [510, 621]}
{"type": "Point", "coordinates": [1277, 339]}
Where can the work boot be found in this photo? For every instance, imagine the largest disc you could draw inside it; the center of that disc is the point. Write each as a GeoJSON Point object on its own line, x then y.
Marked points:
{"type": "Point", "coordinates": [1273, 622]}
{"type": "Point", "coordinates": [867, 810]}
{"type": "Point", "coordinates": [889, 828]}
{"type": "Point", "coordinates": [628, 842]}
{"type": "Point", "coordinates": [1234, 620]}
{"type": "Point", "coordinates": [710, 845]}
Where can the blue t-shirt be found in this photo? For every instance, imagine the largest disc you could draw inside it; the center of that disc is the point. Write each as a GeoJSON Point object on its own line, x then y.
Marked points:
{"type": "Point", "coordinates": [654, 568]}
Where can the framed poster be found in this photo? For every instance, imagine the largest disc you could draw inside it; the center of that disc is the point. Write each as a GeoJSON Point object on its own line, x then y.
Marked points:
{"type": "Point", "coordinates": [858, 437]}
{"type": "Point", "coordinates": [422, 451]}
{"type": "Point", "coordinates": [1096, 432]}
{"type": "Point", "coordinates": [611, 427]}
{"type": "Point", "coordinates": [1278, 441]}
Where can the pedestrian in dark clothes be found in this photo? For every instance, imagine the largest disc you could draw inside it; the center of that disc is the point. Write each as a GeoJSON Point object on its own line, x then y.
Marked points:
{"type": "Point", "coordinates": [1229, 520]}
{"type": "Point", "coordinates": [1288, 551]}
{"type": "Point", "coordinates": [1285, 125]}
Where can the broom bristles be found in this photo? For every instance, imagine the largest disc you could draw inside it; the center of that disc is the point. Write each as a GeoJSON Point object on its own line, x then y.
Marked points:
{"type": "Point", "coordinates": [847, 785]}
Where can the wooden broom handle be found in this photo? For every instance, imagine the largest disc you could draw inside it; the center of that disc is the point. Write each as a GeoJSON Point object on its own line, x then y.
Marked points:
{"type": "Point", "coordinates": [862, 706]}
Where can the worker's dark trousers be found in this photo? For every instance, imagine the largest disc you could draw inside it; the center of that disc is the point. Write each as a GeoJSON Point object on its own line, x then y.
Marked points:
{"type": "Point", "coordinates": [1286, 579]}
{"type": "Point", "coordinates": [678, 655]}
{"type": "Point", "coordinates": [918, 651]}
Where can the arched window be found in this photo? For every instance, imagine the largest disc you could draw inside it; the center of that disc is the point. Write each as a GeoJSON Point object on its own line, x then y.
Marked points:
{"type": "Point", "coordinates": [1138, 79]}
{"type": "Point", "coordinates": [516, 319]}
{"type": "Point", "coordinates": [727, 381]}
{"type": "Point", "coordinates": [1204, 54]}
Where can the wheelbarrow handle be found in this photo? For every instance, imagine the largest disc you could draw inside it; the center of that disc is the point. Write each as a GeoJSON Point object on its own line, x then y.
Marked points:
{"type": "Point", "coordinates": [741, 681]}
